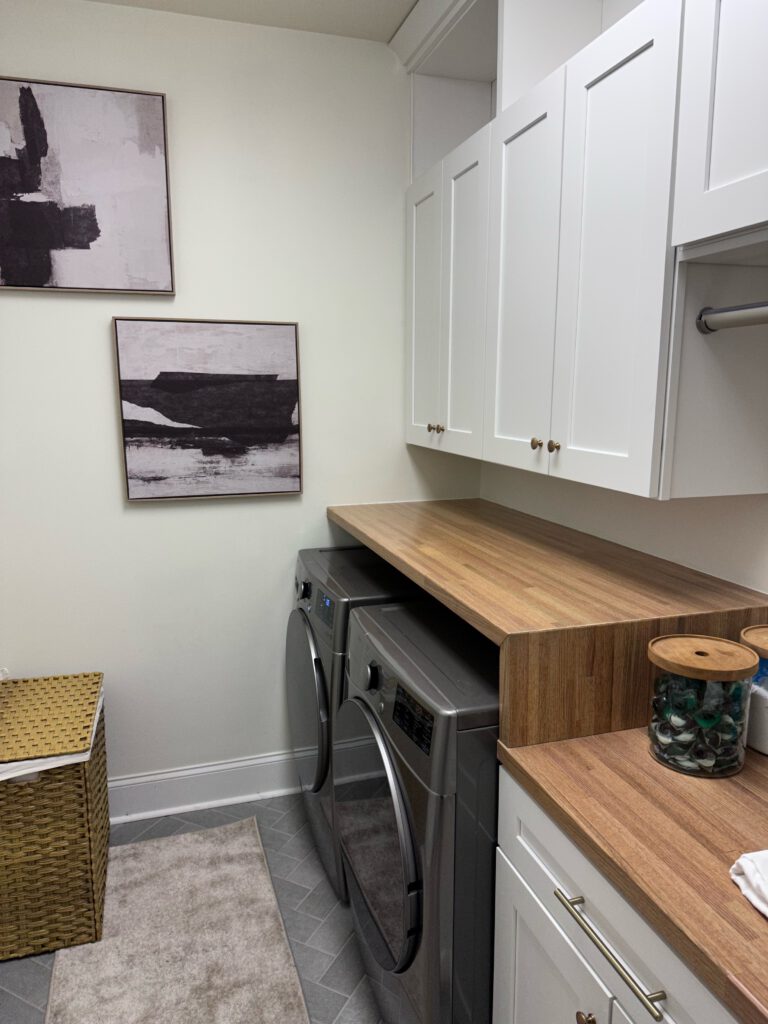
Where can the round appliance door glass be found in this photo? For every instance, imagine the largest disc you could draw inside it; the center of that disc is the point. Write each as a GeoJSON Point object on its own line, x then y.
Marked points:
{"type": "Point", "coordinates": [307, 702]}
{"type": "Point", "coordinates": [376, 840]}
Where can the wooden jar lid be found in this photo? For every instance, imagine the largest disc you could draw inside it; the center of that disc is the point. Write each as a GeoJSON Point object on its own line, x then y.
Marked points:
{"type": "Point", "coordinates": [703, 657]}
{"type": "Point", "coordinates": [756, 637]}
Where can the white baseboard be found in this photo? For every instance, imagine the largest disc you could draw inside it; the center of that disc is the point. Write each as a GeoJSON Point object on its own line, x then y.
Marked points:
{"type": "Point", "coordinates": [154, 794]}
{"type": "Point", "coordinates": [198, 786]}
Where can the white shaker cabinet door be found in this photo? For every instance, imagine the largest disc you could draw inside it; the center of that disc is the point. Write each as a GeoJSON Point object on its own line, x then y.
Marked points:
{"type": "Point", "coordinates": [526, 174]}
{"type": "Point", "coordinates": [722, 156]}
{"type": "Point", "coordinates": [424, 234]}
{"type": "Point", "coordinates": [539, 975]}
{"type": "Point", "coordinates": [615, 259]}
{"type": "Point", "coordinates": [464, 267]}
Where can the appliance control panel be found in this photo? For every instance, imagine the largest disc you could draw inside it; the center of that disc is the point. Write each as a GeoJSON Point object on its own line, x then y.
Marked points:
{"type": "Point", "coordinates": [415, 721]}
{"type": "Point", "coordinates": [324, 608]}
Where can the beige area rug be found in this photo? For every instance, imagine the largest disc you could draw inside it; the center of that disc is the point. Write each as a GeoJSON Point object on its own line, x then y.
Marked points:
{"type": "Point", "coordinates": [192, 935]}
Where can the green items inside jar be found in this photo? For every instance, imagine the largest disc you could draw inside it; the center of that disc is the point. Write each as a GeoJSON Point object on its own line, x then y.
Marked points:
{"type": "Point", "coordinates": [698, 725]}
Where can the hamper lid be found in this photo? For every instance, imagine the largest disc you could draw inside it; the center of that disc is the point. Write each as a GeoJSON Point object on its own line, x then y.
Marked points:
{"type": "Point", "coordinates": [48, 717]}
{"type": "Point", "coordinates": [703, 657]}
{"type": "Point", "coordinates": [756, 637]}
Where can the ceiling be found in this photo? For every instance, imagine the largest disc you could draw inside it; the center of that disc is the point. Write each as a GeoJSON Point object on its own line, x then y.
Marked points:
{"type": "Point", "coordinates": [361, 19]}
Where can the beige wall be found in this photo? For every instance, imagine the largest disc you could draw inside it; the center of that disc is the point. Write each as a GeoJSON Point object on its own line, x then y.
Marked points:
{"type": "Point", "coordinates": [183, 605]}
{"type": "Point", "coordinates": [725, 537]}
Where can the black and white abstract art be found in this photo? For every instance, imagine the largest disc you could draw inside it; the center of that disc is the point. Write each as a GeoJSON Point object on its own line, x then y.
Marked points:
{"type": "Point", "coordinates": [209, 408]}
{"type": "Point", "coordinates": [83, 189]}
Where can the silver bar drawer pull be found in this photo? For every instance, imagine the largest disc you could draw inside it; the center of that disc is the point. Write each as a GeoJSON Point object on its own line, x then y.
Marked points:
{"type": "Point", "coordinates": [648, 999]}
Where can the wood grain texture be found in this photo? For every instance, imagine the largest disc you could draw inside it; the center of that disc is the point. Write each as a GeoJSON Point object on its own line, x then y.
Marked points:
{"type": "Point", "coordinates": [508, 573]}
{"type": "Point", "coordinates": [666, 841]}
{"type": "Point", "coordinates": [573, 614]}
{"type": "Point", "coordinates": [756, 637]}
{"type": "Point", "coordinates": [559, 684]}
{"type": "Point", "coordinates": [703, 657]}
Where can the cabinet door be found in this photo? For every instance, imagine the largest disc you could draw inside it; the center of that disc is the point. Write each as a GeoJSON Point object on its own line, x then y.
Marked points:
{"type": "Point", "coordinates": [424, 232]}
{"type": "Point", "coordinates": [465, 258]}
{"type": "Point", "coordinates": [722, 154]}
{"type": "Point", "coordinates": [539, 976]}
{"type": "Point", "coordinates": [620, 1016]}
{"type": "Point", "coordinates": [614, 288]}
{"type": "Point", "coordinates": [526, 172]}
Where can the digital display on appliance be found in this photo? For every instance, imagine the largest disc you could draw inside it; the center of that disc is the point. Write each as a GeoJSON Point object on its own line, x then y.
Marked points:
{"type": "Point", "coordinates": [324, 606]}
{"type": "Point", "coordinates": [415, 721]}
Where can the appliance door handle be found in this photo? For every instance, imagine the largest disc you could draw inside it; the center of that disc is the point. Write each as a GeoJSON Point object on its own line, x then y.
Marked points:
{"type": "Point", "coordinates": [321, 695]}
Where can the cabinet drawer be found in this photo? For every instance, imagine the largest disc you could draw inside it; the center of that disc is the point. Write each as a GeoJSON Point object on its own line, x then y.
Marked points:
{"type": "Point", "coordinates": [548, 860]}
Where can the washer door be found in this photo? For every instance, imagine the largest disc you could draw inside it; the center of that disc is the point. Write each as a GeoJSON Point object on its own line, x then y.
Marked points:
{"type": "Point", "coordinates": [377, 844]}
{"type": "Point", "coordinates": [307, 702]}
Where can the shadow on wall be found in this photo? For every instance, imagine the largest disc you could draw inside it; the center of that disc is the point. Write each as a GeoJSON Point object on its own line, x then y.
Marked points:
{"type": "Point", "coordinates": [725, 537]}
{"type": "Point", "coordinates": [445, 476]}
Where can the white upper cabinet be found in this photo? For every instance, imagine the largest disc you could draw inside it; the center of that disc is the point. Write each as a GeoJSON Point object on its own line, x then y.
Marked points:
{"type": "Point", "coordinates": [526, 163]}
{"type": "Point", "coordinates": [722, 164]}
{"type": "Point", "coordinates": [614, 291]}
{"type": "Point", "coordinates": [446, 301]}
{"type": "Point", "coordinates": [542, 273]}
{"type": "Point", "coordinates": [424, 231]}
{"type": "Point", "coordinates": [465, 260]}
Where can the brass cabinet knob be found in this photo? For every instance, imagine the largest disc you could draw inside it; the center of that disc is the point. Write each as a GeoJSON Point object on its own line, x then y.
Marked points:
{"type": "Point", "coordinates": [553, 446]}
{"type": "Point", "coordinates": [431, 427]}
{"type": "Point", "coordinates": [585, 1018]}
{"type": "Point", "coordinates": [439, 429]}
{"type": "Point", "coordinates": [536, 442]}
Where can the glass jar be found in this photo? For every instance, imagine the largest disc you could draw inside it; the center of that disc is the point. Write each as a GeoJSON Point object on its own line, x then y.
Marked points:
{"type": "Point", "coordinates": [701, 703]}
{"type": "Point", "coordinates": [756, 637]}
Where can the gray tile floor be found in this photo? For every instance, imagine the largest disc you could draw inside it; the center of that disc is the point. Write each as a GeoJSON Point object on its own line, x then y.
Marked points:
{"type": "Point", "coordinates": [319, 927]}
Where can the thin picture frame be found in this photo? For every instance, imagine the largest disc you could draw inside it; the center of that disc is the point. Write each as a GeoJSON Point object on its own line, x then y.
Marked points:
{"type": "Point", "coordinates": [56, 289]}
{"type": "Point", "coordinates": [116, 320]}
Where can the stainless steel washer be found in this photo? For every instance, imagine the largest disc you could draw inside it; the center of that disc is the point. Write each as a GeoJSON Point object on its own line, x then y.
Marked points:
{"type": "Point", "coordinates": [329, 582]}
{"type": "Point", "coordinates": [416, 816]}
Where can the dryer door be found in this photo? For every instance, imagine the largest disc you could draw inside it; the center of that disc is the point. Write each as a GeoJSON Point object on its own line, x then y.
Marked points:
{"type": "Point", "coordinates": [377, 842]}
{"type": "Point", "coordinates": [307, 702]}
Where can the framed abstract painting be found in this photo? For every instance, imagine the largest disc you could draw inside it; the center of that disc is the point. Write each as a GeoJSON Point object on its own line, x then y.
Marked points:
{"type": "Point", "coordinates": [209, 408]}
{"type": "Point", "coordinates": [84, 201]}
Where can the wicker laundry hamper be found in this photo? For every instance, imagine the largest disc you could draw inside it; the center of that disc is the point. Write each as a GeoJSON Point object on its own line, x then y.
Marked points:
{"type": "Point", "coordinates": [54, 823]}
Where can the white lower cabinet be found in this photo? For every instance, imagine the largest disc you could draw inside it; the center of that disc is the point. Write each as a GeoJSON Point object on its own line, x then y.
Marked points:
{"type": "Point", "coordinates": [540, 975]}
{"type": "Point", "coordinates": [547, 969]}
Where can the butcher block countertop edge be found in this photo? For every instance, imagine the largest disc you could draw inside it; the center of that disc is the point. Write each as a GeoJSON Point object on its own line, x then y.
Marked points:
{"type": "Point", "coordinates": [656, 835]}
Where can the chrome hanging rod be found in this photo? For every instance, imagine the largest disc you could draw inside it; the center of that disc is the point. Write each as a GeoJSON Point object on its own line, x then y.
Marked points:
{"type": "Point", "coordinates": [710, 320]}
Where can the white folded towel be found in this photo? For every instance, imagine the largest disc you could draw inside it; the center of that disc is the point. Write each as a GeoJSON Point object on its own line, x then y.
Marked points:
{"type": "Point", "coordinates": [750, 873]}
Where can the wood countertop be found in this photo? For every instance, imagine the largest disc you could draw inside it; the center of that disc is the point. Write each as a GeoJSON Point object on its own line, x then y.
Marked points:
{"type": "Point", "coordinates": [666, 841]}
{"type": "Point", "coordinates": [572, 614]}
{"type": "Point", "coordinates": [506, 572]}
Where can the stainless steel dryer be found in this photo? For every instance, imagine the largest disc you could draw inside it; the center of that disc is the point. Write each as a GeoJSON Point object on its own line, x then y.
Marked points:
{"type": "Point", "coordinates": [329, 582]}
{"type": "Point", "coordinates": [417, 824]}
